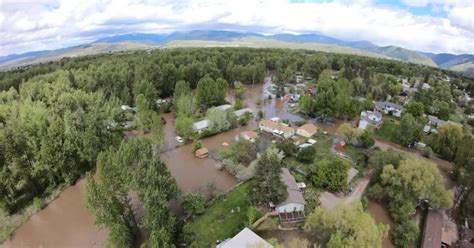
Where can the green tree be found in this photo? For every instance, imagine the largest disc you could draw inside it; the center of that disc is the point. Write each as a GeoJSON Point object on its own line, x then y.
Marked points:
{"type": "Point", "coordinates": [341, 227]}
{"type": "Point", "coordinates": [269, 187]}
{"type": "Point", "coordinates": [367, 138]}
{"type": "Point", "coordinates": [218, 119]}
{"type": "Point", "coordinates": [111, 210]}
{"type": "Point", "coordinates": [184, 127]}
{"type": "Point", "coordinates": [413, 180]}
{"type": "Point", "coordinates": [348, 132]}
{"type": "Point", "coordinates": [306, 155]}
{"type": "Point", "coordinates": [326, 102]}
{"type": "Point", "coordinates": [211, 93]}
{"type": "Point", "coordinates": [242, 151]}
{"type": "Point", "coordinates": [196, 145]}
{"type": "Point", "coordinates": [193, 203]}
{"type": "Point", "coordinates": [410, 130]}
{"type": "Point", "coordinates": [181, 88]}
{"type": "Point", "coordinates": [447, 140]}
{"type": "Point", "coordinates": [287, 147]}
{"type": "Point", "coordinates": [330, 174]}
{"type": "Point", "coordinates": [306, 105]}
{"type": "Point", "coordinates": [144, 113]}
{"type": "Point", "coordinates": [145, 88]}
{"type": "Point", "coordinates": [405, 234]}
{"type": "Point", "coordinates": [416, 109]}
{"type": "Point", "coordinates": [186, 105]}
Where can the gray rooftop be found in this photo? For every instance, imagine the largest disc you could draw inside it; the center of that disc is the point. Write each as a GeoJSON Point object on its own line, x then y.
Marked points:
{"type": "Point", "coordinates": [294, 193]}
{"type": "Point", "coordinates": [201, 124]}
{"type": "Point", "coordinates": [388, 105]}
{"type": "Point", "coordinates": [435, 120]}
{"type": "Point", "coordinates": [241, 112]}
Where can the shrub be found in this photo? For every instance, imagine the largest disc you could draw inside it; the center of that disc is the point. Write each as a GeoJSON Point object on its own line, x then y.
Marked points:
{"type": "Point", "coordinates": [193, 203]}
{"type": "Point", "coordinates": [428, 152]}
{"type": "Point", "coordinates": [196, 145]}
{"type": "Point", "coordinates": [38, 203]}
{"type": "Point", "coordinates": [406, 234]}
{"type": "Point", "coordinates": [306, 155]}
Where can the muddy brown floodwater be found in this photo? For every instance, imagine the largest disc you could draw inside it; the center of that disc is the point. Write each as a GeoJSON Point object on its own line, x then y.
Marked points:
{"type": "Point", "coordinates": [65, 222]}
{"type": "Point", "coordinates": [381, 215]}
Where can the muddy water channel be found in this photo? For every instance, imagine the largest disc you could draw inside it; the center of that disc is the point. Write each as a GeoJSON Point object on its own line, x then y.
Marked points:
{"type": "Point", "coordinates": [381, 215]}
{"type": "Point", "coordinates": [65, 222]}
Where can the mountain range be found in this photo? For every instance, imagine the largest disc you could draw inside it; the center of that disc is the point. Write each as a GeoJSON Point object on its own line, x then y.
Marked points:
{"type": "Point", "coordinates": [463, 62]}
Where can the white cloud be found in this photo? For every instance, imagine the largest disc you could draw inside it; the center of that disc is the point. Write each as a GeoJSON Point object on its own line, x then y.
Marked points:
{"type": "Point", "coordinates": [52, 24]}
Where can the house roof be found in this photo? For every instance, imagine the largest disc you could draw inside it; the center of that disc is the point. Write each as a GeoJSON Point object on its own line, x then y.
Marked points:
{"type": "Point", "coordinates": [278, 126]}
{"type": "Point", "coordinates": [249, 134]}
{"type": "Point", "coordinates": [201, 124]}
{"type": "Point", "coordinates": [383, 105]}
{"type": "Point", "coordinates": [435, 120]}
{"type": "Point", "coordinates": [245, 239]}
{"type": "Point", "coordinates": [309, 128]}
{"type": "Point", "coordinates": [241, 112]}
{"type": "Point", "coordinates": [294, 193]}
{"type": "Point", "coordinates": [223, 107]}
{"type": "Point", "coordinates": [433, 230]}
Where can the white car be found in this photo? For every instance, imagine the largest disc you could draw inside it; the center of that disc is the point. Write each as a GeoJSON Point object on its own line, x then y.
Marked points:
{"type": "Point", "coordinates": [179, 139]}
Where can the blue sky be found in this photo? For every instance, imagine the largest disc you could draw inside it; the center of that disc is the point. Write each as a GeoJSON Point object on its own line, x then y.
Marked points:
{"type": "Point", "coordinates": [426, 25]}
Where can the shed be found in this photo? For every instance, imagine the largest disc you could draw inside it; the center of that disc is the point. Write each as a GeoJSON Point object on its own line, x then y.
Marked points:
{"type": "Point", "coordinates": [340, 145]}
{"type": "Point", "coordinates": [202, 153]}
{"type": "Point", "coordinates": [249, 135]}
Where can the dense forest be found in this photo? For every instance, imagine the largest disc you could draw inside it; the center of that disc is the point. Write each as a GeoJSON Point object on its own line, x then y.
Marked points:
{"type": "Point", "coordinates": [57, 119]}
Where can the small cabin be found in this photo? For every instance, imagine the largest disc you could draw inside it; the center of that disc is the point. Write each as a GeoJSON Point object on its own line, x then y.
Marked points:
{"type": "Point", "coordinates": [202, 153]}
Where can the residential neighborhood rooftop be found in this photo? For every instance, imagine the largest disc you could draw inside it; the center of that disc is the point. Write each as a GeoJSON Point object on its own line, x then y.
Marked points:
{"type": "Point", "coordinates": [241, 112]}
{"type": "Point", "coordinates": [433, 230]}
{"type": "Point", "coordinates": [310, 128]}
{"type": "Point", "coordinates": [245, 238]}
{"type": "Point", "coordinates": [276, 125]}
{"type": "Point", "coordinates": [201, 124]}
{"type": "Point", "coordinates": [294, 192]}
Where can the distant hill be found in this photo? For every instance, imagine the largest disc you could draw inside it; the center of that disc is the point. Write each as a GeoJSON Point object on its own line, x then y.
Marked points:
{"type": "Point", "coordinates": [463, 63]}
{"type": "Point", "coordinates": [404, 55]}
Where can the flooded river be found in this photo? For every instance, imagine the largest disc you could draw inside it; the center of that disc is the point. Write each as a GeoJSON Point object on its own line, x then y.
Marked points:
{"type": "Point", "coordinates": [381, 215]}
{"type": "Point", "coordinates": [65, 222]}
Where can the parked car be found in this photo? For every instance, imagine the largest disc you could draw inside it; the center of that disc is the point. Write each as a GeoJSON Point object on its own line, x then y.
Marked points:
{"type": "Point", "coordinates": [179, 139]}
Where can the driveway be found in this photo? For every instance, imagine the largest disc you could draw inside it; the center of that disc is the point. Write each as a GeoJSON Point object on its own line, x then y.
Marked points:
{"type": "Point", "coordinates": [330, 200]}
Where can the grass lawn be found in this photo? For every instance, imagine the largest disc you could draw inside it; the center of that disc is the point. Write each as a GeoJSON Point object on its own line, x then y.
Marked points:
{"type": "Point", "coordinates": [323, 151]}
{"type": "Point", "coordinates": [218, 222]}
{"type": "Point", "coordinates": [388, 131]}
{"type": "Point", "coordinates": [323, 146]}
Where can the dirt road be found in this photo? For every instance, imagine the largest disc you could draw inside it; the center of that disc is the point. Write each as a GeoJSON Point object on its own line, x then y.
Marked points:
{"type": "Point", "coordinates": [330, 200]}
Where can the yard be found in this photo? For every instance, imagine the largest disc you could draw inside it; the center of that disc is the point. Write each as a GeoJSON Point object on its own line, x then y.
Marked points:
{"type": "Point", "coordinates": [388, 131]}
{"type": "Point", "coordinates": [224, 218]}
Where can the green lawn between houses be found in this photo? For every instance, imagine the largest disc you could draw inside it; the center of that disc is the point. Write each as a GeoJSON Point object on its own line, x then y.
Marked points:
{"type": "Point", "coordinates": [218, 222]}
{"type": "Point", "coordinates": [388, 131]}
